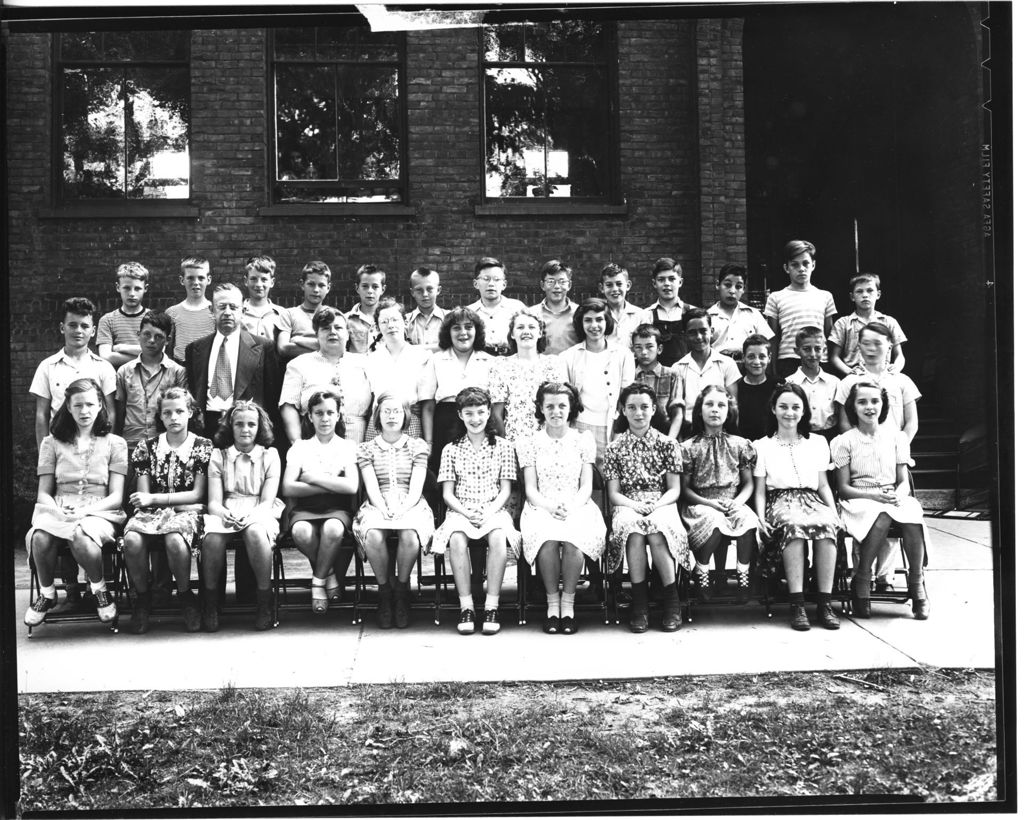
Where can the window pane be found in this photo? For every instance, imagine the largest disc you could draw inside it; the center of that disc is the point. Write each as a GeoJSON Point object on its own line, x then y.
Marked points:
{"type": "Point", "coordinates": [566, 41]}
{"type": "Point", "coordinates": [93, 128]}
{"type": "Point", "coordinates": [294, 43]}
{"type": "Point", "coordinates": [503, 44]}
{"type": "Point", "coordinates": [337, 193]}
{"type": "Point", "coordinates": [577, 125]}
{"type": "Point", "coordinates": [306, 123]}
{"type": "Point", "coordinates": [156, 108]}
{"type": "Point", "coordinates": [515, 131]}
{"type": "Point", "coordinates": [369, 141]}
{"type": "Point", "coordinates": [359, 44]}
{"type": "Point", "coordinates": [84, 46]}
{"type": "Point", "coordinates": [126, 46]}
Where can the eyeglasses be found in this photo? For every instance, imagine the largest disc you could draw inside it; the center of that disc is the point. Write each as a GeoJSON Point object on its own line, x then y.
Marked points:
{"type": "Point", "coordinates": [490, 279]}
{"type": "Point", "coordinates": [557, 282]}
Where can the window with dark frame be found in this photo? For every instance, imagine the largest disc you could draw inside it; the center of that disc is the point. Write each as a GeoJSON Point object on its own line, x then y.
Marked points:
{"type": "Point", "coordinates": [549, 114]}
{"type": "Point", "coordinates": [123, 102]}
{"type": "Point", "coordinates": [338, 110]}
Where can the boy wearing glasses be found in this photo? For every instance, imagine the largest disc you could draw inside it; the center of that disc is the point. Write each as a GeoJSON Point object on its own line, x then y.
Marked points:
{"type": "Point", "coordinates": [495, 310]}
{"type": "Point", "coordinates": [557, 308]}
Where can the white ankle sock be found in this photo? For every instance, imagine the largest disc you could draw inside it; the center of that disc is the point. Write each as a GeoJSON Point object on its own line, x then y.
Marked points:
{"type": "Point", "coordinates": [742, 567]}
{"type": "Point", "coordinates": [704, 567]}
{"type": "Point", "coordinates": [97, 586]}
{"type": "Point", "coordinates": [552, 604]}
{"type": "Point", "coordinates": [465, 602]}
{"type": "Point", "coordinates": [491, 602]}
{"type": "Point", "coordinates": [319, 582]}
{"type": "Point", "coordinates": [568, 604]}
{"type": "Point", "coordinates": [48, 592]}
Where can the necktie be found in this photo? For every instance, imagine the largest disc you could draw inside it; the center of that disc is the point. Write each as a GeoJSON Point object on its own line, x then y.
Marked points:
{"type": "Point", "coordinates": [222, 387]}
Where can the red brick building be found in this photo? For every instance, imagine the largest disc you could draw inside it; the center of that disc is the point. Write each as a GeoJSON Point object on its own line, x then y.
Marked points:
{"type": "Point", "coordinates": [717, 139]}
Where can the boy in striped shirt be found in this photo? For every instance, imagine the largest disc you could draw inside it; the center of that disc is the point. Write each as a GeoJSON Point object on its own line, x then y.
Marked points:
{"type": "Point", "coordinates": [193, 318]}
{"type": "Point", "coordinates": [796, 306]}
{"type": "Point", "coordinates": [117, 334]}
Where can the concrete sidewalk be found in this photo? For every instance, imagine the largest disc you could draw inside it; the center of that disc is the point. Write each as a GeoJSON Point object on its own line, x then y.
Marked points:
{"type": "Point", "coordinates": [307, 650]}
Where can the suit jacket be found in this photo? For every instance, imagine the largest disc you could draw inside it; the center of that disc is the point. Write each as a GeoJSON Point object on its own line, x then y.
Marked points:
{"type": "Point", "coordinates": [256, 371]}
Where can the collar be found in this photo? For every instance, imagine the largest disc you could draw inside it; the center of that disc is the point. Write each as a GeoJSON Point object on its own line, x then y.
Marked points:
{"type": "Point", "coordinates": [569, 306]}
{"type": "Point", "coordinates": [715, 356]}
{"type": "Point", "coordinates": [62, 356]}
{"type": "Point", "coordinates": [165, 362]}
{"type": "Point", "coordinates": [181, 451]}
{"type": "Point", "coordinates": [120, 309]}
{"type": "Point", "coordinates": [270, 308]}
{"type": "Point", "coordinates": [648, 437]}
{"type": "Point", "coordinates": [716, 308]}
{"type": "Point", "coordinates": [678, 303]}
{"type": "Point", "coordinates": [805, 378]}
{"type": "Point", "coordinates": [418, 314]}
{"type": "Point", "coordinates": [385, 446]}
{"type": "Point", "coordinates": [233, 452]}
{"type": "Point", "coordinates": [225, 338]}
{"type": "Point", "coordinates": [356, 312]}
{"type": "Point", "coordinates": [874, 317]}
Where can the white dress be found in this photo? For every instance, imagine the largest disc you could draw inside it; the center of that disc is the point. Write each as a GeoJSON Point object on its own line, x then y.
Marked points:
{"type": "Point", "coordinates": [558, 462]}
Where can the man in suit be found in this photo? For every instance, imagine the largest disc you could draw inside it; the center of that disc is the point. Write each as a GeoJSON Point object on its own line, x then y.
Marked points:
{"type": "Point", "coordinates": [231, 363]}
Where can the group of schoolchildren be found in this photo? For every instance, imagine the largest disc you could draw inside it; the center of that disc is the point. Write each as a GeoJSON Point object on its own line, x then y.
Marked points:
{"type": "Point", "coordinates": [234, 417]}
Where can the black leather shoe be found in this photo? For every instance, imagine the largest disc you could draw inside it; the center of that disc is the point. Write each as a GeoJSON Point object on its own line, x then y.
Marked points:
{"type": "Point", "coordinates": [551, 625]}
{"type": "Point", "coordinates": [672, 619]}
{"type": "Point", "coordinates": [861, 607]}
{"type": "Point", "coordinates": [638, 622]}
{"type": "Point", "coordinates": [798, 618]}
{"type": "Point", "coordinates": [568, 626]}
{"type": "Point", "coordinates": [826, 617]}
{"type": "Point", "coordinates": [922, 608]}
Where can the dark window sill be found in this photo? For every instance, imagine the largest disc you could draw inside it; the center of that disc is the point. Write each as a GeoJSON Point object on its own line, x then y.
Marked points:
{"type": "Point", "coordinates": [560, 209]}
{"type": "Point", "coordinates": [354, 210]}
{"type": "Point", "coordinates": [139, 209]}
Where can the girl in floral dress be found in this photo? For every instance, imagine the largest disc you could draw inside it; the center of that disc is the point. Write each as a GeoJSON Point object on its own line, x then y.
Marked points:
{"type": "Point", "coordinates": [792, 499]}
{"type": "Point", "coordinates": [642, 468]}
{"type": "Point", "coordinates": [81, 485]}
{"type": "Point", "coordinates": [515, 378]}
{"type": "Point", "coordinates": [320, 475]}
{"type": "Point", "coordinates": [244, 477]}
{"type": "Point", "coordinates": [716, 485]}
{"type": "Point", "coordinates": [171, 469]}
{"type": "Point", "coordinates": [560, 521]}
{"type": "Point", "coordinates": [393, 467]}
{"type": "Point", "coordinates": [476, 474]}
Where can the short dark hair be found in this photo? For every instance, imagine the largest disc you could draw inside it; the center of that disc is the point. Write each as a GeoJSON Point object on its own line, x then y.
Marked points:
{"type": "Point", "coordinates": [732, 269]}
{"type": "Point", "coordinates": [803, 427]}
{"type": "Point", "coordinates": [368, 270]}
{"type": "Point", "coordinates": [695, 313]}
{"type": "Point", "coordinates": [557, 389]}
{"type": "Point", "coordinates": [487, 262]}
{"type": "Point", "coordinates": [795, 247]}
{"type": "Point", "coordinates": [316, 267]}
{"type": "Point", "coordinates": [666, 263]}
{"type": "Point", "coordinates": [612, 269]}
{"type": "Point", "coordinates": [756, 339]}
{"type": "Point", "coordinates": [78, 306]}
{"type": "Point", "coordinates": [459, 314]}
{"type": "Point", "coordinates": [634, 388]}
{"type": "Point", "coordinates": [474, 397]}
{"type": "Point", "coordinates": [646, 331]}
{"type": "Point", "coordinates": [161, 321]}
{"type": "Point", "coordinates": [325, 315]}
{"type": "Point", "coordinates": [224, 436]}
{"type": "Point", "coordinates": [592, 305]}
{"type": "Point", "coordinates": [851, 400]}
{"type": "Point", "coordinates": [808, 332]}
{"type": "Point", "coordinates": [553, 267]}
{"type": "Point", "coordinates": [879, 328]}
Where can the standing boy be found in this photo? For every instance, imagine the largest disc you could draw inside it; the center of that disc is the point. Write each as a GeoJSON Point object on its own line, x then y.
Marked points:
{"type": "Point", "coordinates": [661, 379]}
{"type": "Point", "coordinates": [71, 362]}
{"type": "Point", "coordinates": [260, 316]}
{"type": "Point", "coordinates": [423, 324]}
{"type": "Point", "coordinates": [755, 388]}
{"type": "Point", "coordinates": [371, 282]}
{"type": "Point", "coordinates": [556, 309]}
{"type": "Point", "coordinates": [297, 335]}
{"type": "Point", "coordinates": [496, 310]}
{"type": "Point", "coordinates": [117, 335]}
{"type": "Point", "coordinates": [843, 347]}
{"type": "Point", "coordinates": [193, 318]}
{"type": "Point", "coordinates": [615, 284]}
{"type": "Point", "coordinates": [819, 386]}
{"type": "Point", "coordinates": [732, 321]}
{"type": "Point", "coordinates": [140, 381]}
{"type": "Point", "coordinates": [798, 305]}
{"type": "Point", "coordinates": [667, 312]}
{"type": "Point", "coordinates": [697, 369]}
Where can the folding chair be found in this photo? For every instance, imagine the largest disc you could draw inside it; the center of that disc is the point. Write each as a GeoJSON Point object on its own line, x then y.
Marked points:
{"type": "Point", "coordinates": [114, 574]}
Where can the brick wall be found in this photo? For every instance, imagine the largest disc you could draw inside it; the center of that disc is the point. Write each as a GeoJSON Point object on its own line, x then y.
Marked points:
{"type": "Point", "coordinates": [684, 200]}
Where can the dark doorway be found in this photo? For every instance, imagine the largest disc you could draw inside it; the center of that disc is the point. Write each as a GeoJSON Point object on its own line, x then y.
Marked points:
{"type": "Point", "coordinates": [870, 113]}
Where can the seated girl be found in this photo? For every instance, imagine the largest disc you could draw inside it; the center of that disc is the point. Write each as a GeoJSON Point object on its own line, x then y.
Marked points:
{"type": "Point", "coordinates": [171, 489]}
{"type": "Point", "coordinates": [245, 474]}
{"type": "Point", "coordinates": [476, 474]}
{"type": "Point", "coordinates": [320, 476]}
{"type": "Point", "coordinates": [874, 491]}
{"type": "Point", "coordinates": [560, 521]}
{"type": "Point", "coordinates": [393, 467]}
{"type": "Point", "coordinates": [716, 484]}
{"type": "Point", "coordinates": [81, 485]}
{"type": "Point", "coordinates": [794, 503]}
{"type": "Point", "coordinates": [642, 468]}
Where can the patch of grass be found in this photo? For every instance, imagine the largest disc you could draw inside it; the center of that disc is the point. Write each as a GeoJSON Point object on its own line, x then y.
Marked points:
{"type": "Point", "coordinates": [927, 735]}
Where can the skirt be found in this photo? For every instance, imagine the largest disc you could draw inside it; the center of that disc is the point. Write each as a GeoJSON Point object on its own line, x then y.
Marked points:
{"type": "Point", "coordinates": [702, 520]}
{"type": "Point", "coordinates": [167, 521]}
{"type": "Point", "coordinates": [797, 513]}
{"type": "Point", "coordinates": [420, 519]}
{"type": "Point", "coordinates": [665, 520]}
{"type": "Point", "coordinates": [320, 508]}
{"type": "Point", "coordinates": [240, 505]}
{"type": "Point", "coordinates": [859, 514]}
{"type": "Point", "coordinates": [456, 522]}
{"type": "Point", "coordinates": [101, 526]}
{"type": "Point", "coordinates": [584, 528]}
